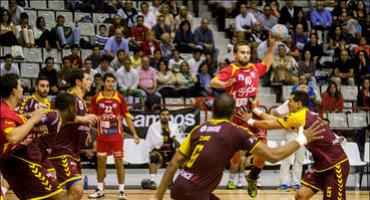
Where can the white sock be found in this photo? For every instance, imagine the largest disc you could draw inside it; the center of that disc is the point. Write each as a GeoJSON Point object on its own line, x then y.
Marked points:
{"type": "Point", "coordinates": [121, 187]}
{"type": "Point", "coordinates": [232, 176]}
{"type": "Point", "coordinates": [4, 190]}
{"type": "Point", "coordinates": [152, 177]}
{"type": "Point", "coordinates": [101, 186]}
{"type": "Point", "coordinates": [240, 176]}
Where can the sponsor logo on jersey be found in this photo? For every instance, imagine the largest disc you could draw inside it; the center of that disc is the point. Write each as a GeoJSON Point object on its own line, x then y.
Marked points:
{"type": "Point", "coordinates": [240, 77]}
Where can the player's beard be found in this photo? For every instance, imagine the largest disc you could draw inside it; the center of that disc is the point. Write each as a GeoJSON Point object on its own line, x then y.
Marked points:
{"type": "Point", "coordinates": [43, 94]}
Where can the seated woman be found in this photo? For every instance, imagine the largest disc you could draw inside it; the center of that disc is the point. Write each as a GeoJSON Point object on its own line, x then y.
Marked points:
{"type": "Point", "coordinates": [166, 80]}
{"type": "Point", "coordinates": [7, 30]}
{"type": "Point", "coordinates": [149, 45]}
{"type": "Point", "coordinates": [203, 87]}
{"type": "Point", "coordinates": [362, 66]}
{"type": "Point", "coordinates": [332, 99]}
{"type": "Point", "coordinates": [25, 35]}
{"type": "Point", "coordinates": [307, 67]}
{"type": "Point", "coordinates": [41, 33]}
{"type": "Point", "coordinates": [184, 38]}
{"type": "Point", "coordinates": [185, 81]}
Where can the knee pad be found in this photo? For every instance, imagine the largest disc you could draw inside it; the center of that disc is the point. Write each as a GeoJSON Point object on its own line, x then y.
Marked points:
{"type": "Point", "coordinates": [154, 157]}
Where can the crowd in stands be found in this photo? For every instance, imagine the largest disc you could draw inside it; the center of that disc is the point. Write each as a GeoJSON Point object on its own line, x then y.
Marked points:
{"type": "Point", "coordinates": [143, 46]}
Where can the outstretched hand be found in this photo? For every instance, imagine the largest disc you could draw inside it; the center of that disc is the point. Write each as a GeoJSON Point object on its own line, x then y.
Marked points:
{"type": "Point", "coordinates": [244, 114]}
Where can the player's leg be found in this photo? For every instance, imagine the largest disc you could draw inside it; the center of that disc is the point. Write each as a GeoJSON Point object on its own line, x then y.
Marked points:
{"type": "Point", "coordinates": [75, 189]}
{"type": "Point", "coordinates": [4, 186]}
{"type": "Point", "coordinates": [312, 182]}
{"type": "Point", "coordinates": [101, 154]}
{"type": "Point", "coordinates": [60, 196]}
{"type": "Point", "coordinates": [242, 164]}
{"type": "Point", "coordinates": [234, 168]}
{"type": "Point", "coordinates": [284, 174]}
{"type": "Point", "coordinates": [335, 184]}
{"type": "Point", "coordinates": [304, 193]}
{"type": "Point", "coordinates": [117, 149]}
{"type": "Point", "coordinates": [155, 160]}
{"type": "Point", "coordinates": [299, 156]}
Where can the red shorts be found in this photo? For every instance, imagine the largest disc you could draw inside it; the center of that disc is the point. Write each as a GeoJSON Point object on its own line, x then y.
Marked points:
{"type": "Point", "coordinates": [29, 180]}
{"type": "Point", "coordinates": [332, 182]}
{"type": "Point", "coordinates": [67, 168]}
{"type": "Point", "coordinates": [110, 148]}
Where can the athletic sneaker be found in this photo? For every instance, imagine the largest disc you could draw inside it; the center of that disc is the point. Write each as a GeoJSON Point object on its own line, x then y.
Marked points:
{"type": "Point", "coordinates": [259, 184]}
{"type": "Point", "coordinates": [230, 185]}
{"type": "Point", "coordinates": [296, 186]}
{"type": "Point", "coordinates": [252, 187]}
{"type": "Point", "coordinates": [97, 194]}
{"type": "Point", "coordinates": [152, 186]}
{"type": "Point", "coordinates": [239, 185]}
{"type": "Point", "coordinates": [284, 188]}
{"type": "Point", "coordinates": [122, 195]}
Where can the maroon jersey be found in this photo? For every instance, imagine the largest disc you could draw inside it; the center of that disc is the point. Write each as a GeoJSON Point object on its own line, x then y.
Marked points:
{"type": "Point", "coordinates": [326, 152]}
{"type": "Point", "coordinates": [167, 145]}
{"type": "Point", "coordinates": [209, 148]}
{"type": "Point", "coordinates": [71, 137]}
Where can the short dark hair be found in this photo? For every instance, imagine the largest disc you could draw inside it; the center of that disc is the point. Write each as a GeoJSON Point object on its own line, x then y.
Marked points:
{"type": "Point", "coordinates": [60, 16]}
{"type": "Point", "coordinates": [139, 16]}
{"type": "Point", "coordinates": [104, 58]}
{"type": "Point", "coordinates": [23, 15]}
{"type": "Point", "coordinates": [240, 43]}
{"type": "Point", "coordinates": [74, 75]}
{"type": "Point", "coordinates": [75, 46]}
{"type": "Point", "coordinates": [223, 106]}
{"type": "Point", "coordinates": [8, 55]}
{"type": "Point", "coordinates": [163, 110]}
{"type": "Point", "coordinates": [8, 82]}
{"type": "Point", "coordinates": [121, 50]}
{"type": "Point", "coordinates": [103, 26]}
{"type": "Point", "coordinates": [49, 58]}
{"type": "Point", "coordinates": [301, 96]}
{"type": "Point", "coordinates": [144, 3]}
{"type": "Point", "coordinates": [97, 75]}
{"type": "Point", "coordinates": [63, 101]}
{"type": "Point", "coordinates": [64, 59]}
{"type": "Point", "coordinates": [108, 75]}
{"type": "Point", "coordinates": [41, 78]}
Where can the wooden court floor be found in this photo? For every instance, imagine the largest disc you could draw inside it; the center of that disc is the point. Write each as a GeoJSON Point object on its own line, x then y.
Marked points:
{"type": "Point", "coordinates": [222, 194]}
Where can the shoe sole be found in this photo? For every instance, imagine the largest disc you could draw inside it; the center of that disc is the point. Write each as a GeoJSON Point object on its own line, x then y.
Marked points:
{"type": "Point", "coordinates": [95, 197]}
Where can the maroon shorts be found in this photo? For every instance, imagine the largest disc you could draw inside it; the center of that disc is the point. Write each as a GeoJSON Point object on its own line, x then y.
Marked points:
{"type": "Point", "coordinates": [68, 169]}
{"type": "Point", "coordinates": [164, 156]}
{"type": "Point", "coordinates": [184, 190]}
{"type": "Point", "coordinates": [332, 182]}
{"type": "Point", "coordinates": [29, 180]}
{"type": "Point", "coordinates": [108, 148]}
{"type": "Point", "coordinates": [48, 165]}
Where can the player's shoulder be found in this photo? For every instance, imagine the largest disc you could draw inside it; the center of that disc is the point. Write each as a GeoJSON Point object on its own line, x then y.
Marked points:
{"type": "Point", "coordinates": [241, 129]}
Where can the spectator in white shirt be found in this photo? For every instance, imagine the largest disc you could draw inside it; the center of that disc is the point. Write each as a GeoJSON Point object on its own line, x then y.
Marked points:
{"type": "Point", "coordinates": [183, 15]}
{"type": "Point", "coordinates": [119, 60]}
{"type": "Point", "coordinates": [15, 11]}
{"type": "Point", "coordinates": [9, 67]}
{"type": "Point", "coordinates": [155, 7]}
{"type": "Point", "coordinates": [175, 62]}
{"type": "Point", "coordinates": [149, 17]}
{"type": "Point", "coordinates": [244, 23]}
{"type": "Point", "coordinates": [88, 64]}
{"type": "Point", "coordinates": [195, 61]}
{"type": "Point", "coordinates": [128, 79]}
{"type": "Point", "coordinates": [104, 66]}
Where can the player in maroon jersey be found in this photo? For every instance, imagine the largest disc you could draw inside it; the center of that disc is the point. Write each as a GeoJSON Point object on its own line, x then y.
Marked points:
{"type": "Point", "coordinates": [210, 146]}
{"type": "Point", "coordinates": [241, 79]}
{"type": "Point", "coordinates": [65, 153]}
{"type": "Point", "coordinates": [331, 167]}
{"type": "Point", "coordinates": [111, 108]}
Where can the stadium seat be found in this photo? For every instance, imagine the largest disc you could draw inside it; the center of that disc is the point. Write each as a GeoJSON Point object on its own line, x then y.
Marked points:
{"type": "Point", "coordinates": [174, 103]}
{"type": "Point", "coordinates": [30, 70]}
{"type": "Point", "coordinates": [135, 153]}
{"type": "Point", "coordinates": [357, 120]}
{"type": "Point", "coordinates": [349, 92]}
{"type": "Point", "coordinates": [56, 66]}
{"type": "Point", "coordinates": [68, 18]}
{"type": "Point", "coordinates": [353, 153]}
{"type": "Point", "coordinates": [53, 53]}
{"type": "Point", "coordinates": [66, 52]}
{"type": "Point", "coordinates": [338, 120]}
{"type": "Point", "coordinates": [266, 99]}
{"type": "Point", "coordinates": [32, 17]}
{"type": "Point", "coordinates": [56, 5]}
{"type": "Point", "coordinates": [87, 29]}
{"type": "Point", "coordinates": [84, 53]}
{"type": "Point", "coordinates": [49, 17]}
{"type": "Point", "coordinates": [99, 17]}
{"type": "Point", "coordinates": [286, 92]}
{"type": "Point", "coordinates": [4, 3]}
{"type": "Point", "coordinates": [367, 152]}
{"type": "Point", "coordinates": [33, 54]}
{"type": "Point", "coordinates": [6, 50]}
{"type": "Point", "coordinates": [79, 15]}
{"type": "Point", "coordinates": [37, 4]}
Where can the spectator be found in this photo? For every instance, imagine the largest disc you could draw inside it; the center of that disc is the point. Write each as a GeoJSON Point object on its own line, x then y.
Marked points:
{"type": "Point", "coordinates": [166, 46]}
{"type": "Point", "coordinates": [222, 10]}
{"type": "Point", "coordinates": [341, 46]}
{"type": "Point", "coordinates": [160, 27]}
{"type": "Point", "coordinates": [8, 67]}
{"type": "Point", "coordinates": [203, 86]}
{"type": "Point", "coordinates": [155, 7]}
{"type": "Point", "coordinates": [128, 13]}
{"type": "Point", "coordinates": [109, 6]}
{"type": "Point", "coordinates": [136, 58]}
{"type": "Point", "coordinates": [166, 81]}
{"type": "Point", "coordinates": [183, 15]}
{"type": "Point", "coordinates": [88, 64]}
{"type": "Point", "coordinates": [259, 34]}
{"type": "Point", "coordinates": [275, 8]}
{"type": "Point", "coordinates": [360, 13]}
{"type": "Point", "coordinates": [362, 46]}
{"type": "Point", "coordinates": [293, 50]}
{"type": "Point", "coordinates": [363, 96]}
{"type": "Point", "coordinates": [128, 80]}
{"type": "Point", "coordinates": [230, 49]}
{"type": "Point", "coordinates": [148, 46]}
{"type": "Point", "coordinates": [307, 67]}
{"type": "Point", "coordinates": [81, 5]}
{"type": "Point", "coordinates": [267, 20]}
{"type": "Point", "coordinates": [362, 66]}
{"type": "Point", "coordinates": [332, 99]}
{"type": "Point", "coordinates": [184, 38]}
{"type": "Point", "coordinates": [314, 47]}
{"type": "Point", "coordinates": [338, 9]}
{"type": "Point", "coordinates": [97, 85]}
{"type": "Point", "coordinates": [74, 58]}
{"type": "Point", "coordinates": [65, 35]}
{"type": "Point", "coordinates": [300, 19]}
{"type": "Point", "coordinates": [7, 30]}
{"type": "Point", "coordinates": [118, 23]}
{"type": "Point", "coordinates": [321, 20]}
{"type": "Point", "coordinates": [283, 68]}
{"type": "Point", "coordinates": [149, 17]}
{"type": "Point", "coordinates": [138, 33]}
{"type": "Point", "coordinates": [95, 56]}
{"type": "Point", "coordinates": [119, 60]}
{"type": "Point", "coordinates": [288, 14]}
{"type": "Point", "coordinates": [52, 74]}
{"type": "Point", "coordinates": [169, 20]}
{"type": "Point", "coordinates": [336, 35]}
{"type": "Point", "coordinates": [64, 72]}
{"type": "Point", "coordinates": [25, 35]}
{"type": "Point", "coordinates": [155, 59]}
{"type": "Point", "coordinates": [195, 61]}
{"type": "Point", "coordinates": [15, 11]}
{"type": "Point", "coordinates": [174, 8]}
{"type": "Point", "coordinates": [148, 83]}
{"type": "Point", "coordinates": [104, 66]}
{"type": "Point", "coordinates": [299, 38]}
{"type": "Point", "coordinates": [203, 37]}
{"type": "Point", "coordinates": [304, 86]}
{"type": "Point", "coordinates": [115, 43]}
{"type": "Point", "coordinates": [244, 23]}
{"type": "Point", "coordinates": [102, 37]}
{"type": "Point", "coordinates": [42, 34]}
{"type": "Point", "coordinates": [212, 63]}
{"type": "Point", "coordinates": [175, 62]}
{"type": "Point", "coordinates": [185, 81]}
{"type": "Point", "coordinates": [254, 9]}
{"type": "Point", "coordinates": [344, 70]}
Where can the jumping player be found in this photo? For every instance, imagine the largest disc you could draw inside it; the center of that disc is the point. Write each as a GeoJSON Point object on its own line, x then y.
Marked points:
{"type": "Point", "coordinates": [65, 153]}
{"type": "Point", "coordinates": [111, 108]}
{"type": "Point", "coordinates": [331, 167]}
{"type": "Point", "coordinates": [211, 145]}
{"type": "Point", "coordinates": [240, 80]}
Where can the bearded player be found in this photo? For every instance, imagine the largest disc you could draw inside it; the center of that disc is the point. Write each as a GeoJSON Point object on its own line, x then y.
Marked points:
{"type": "Point", "coordinates": [111, 108]}
{"type": "Point", "coordinates": [65, 153]}
{"type": "Point", "coordinates": [240, 79]}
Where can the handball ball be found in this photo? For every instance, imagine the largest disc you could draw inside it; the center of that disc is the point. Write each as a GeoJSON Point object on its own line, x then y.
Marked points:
{"type": "Point", "coordinates": [280, 31]}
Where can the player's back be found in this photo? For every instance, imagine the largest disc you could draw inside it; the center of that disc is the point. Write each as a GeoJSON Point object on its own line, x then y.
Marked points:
{"type": "Point", "coordinates": [209, 148]}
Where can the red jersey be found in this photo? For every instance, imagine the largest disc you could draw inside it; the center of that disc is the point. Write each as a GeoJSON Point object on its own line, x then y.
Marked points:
{"type": "Point", "coordinates": [326, 152]}
{"type": "Point", "coordinates": [111, 111]}
{"type": "Point", "coordinates": [247, 79]}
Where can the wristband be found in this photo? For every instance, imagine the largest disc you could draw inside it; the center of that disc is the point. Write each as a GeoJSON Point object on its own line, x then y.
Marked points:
{"type": "Point", "coordinates": [251, 122]}
{"type": "Point", "coordinates": [301, 139]}
{"type": "Point", "coordinates": [257, 111]}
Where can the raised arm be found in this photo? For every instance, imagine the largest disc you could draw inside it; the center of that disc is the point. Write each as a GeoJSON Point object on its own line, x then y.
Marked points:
{"type": "Point", "coordinates": [270, 52]}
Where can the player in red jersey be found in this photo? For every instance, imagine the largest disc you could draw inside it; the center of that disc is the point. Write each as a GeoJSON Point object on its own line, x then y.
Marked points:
{"type": "Point", "coordinates": [65, 153]}
{"type": "Point", "coordinates": [111, 108]}
{"type": "Point", "coordinates": [331, 167]}
{"type": "Point", "coordinates": [208, 147]}
{"type": "Point", "coordinates": [241, 79]}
